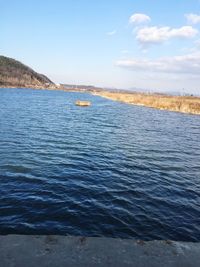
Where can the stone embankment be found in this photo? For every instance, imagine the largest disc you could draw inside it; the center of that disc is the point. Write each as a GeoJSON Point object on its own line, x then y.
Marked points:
{"type": "Point", "coordinates": [62, 251]}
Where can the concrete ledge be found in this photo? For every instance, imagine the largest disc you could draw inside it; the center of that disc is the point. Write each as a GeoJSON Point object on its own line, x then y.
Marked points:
{"type": "Point", "coordinates": [53, 251]}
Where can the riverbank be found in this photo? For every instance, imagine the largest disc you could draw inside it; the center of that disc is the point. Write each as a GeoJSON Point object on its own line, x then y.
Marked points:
{"type": "Point", "coordinates": [185, 104]}
{"type": "Point", "coordinates": [52, 251]}
{"type": "Point", "coordinates": [34, 87]}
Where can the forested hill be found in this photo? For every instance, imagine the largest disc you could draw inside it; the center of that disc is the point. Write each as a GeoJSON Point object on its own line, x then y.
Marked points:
{"type": "Point", "coordinates": [15, 74]}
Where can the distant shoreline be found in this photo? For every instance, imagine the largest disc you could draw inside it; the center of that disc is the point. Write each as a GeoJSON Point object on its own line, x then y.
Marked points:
{"type": "Point", "coordinates": [183, 104]}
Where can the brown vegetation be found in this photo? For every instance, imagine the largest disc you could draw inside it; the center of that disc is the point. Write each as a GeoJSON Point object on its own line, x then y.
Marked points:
{"type": "Point", "coordinates": [83, 103]}
{"type": "Point", "coordinates": [15, 74]}
{"type": "Point", "coordinates": [186, 104]}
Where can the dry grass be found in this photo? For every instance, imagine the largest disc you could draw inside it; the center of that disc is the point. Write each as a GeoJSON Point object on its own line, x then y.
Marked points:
{"type": "Point", "coordinates": [186, 104]}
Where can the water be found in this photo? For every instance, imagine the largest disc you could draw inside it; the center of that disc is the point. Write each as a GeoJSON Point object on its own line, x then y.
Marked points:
{"type": "Point", "coordinates": [111, 169]}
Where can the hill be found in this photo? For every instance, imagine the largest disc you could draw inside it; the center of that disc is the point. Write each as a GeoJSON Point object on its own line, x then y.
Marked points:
{"type": "Point", "coordinates": [15, 74]}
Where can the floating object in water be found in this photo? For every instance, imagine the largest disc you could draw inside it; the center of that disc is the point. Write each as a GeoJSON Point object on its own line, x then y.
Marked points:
{"type": "Point", "coordinates": [83, 103]}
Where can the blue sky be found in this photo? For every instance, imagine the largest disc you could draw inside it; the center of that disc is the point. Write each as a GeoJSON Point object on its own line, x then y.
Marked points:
{"type": "Point", "coordinates": [148, 44]}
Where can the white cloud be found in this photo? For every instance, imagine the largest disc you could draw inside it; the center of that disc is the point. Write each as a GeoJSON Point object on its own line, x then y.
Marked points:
{"type": "Point", "coordinates": [154, 35]}
{"type": "Point", "coordinates": [139, 18]}
{"type": "Point", "coordinates": [193, 18]}
{"type": "Point", "coordinates": [111, 33]}
{"type": "Point", "coordinates": [197, 45]}
{"type": "Point", "coordinates": [186, 64]}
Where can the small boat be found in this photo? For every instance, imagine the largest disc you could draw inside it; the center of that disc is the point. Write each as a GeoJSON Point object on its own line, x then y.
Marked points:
{"type": "Point", "coordinates": [83, 103]}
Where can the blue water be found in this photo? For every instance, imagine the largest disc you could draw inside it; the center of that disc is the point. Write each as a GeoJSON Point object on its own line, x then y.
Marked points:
{"type": "Point", "coordinates": [111, 169]}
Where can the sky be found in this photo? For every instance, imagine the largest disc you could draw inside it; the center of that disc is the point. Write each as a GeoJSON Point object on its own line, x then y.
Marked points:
{"type": "Point", "coordinates": [148, 44]}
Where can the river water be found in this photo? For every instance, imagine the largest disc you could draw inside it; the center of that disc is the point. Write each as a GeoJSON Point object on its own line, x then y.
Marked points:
{"type": "Point", "coordinates": [111, 169]}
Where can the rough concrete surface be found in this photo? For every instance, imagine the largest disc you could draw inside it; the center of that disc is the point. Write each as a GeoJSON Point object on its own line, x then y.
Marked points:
{"type": "Point", "coordinates": [53, 251]}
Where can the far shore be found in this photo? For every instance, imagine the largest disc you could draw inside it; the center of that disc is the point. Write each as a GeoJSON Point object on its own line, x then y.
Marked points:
{"type": "Point", "coordinates": [184, 104]}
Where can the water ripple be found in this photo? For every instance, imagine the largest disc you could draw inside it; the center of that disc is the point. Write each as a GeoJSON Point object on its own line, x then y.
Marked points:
{"type": "Point", "coordinates": [108, 170]}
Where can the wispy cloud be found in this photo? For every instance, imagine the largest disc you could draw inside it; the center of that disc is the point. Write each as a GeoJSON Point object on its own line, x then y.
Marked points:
{"type": "Point", "coordinates": [192, 18]}
{"type": "Point", "coordinates": [111, 32]}
{"type": "Point", "coordinates": [185, 64]}
{"type": "Point", "coordinates": [139, 18]}
{"type": "Point", "coordinates": [156, 35]}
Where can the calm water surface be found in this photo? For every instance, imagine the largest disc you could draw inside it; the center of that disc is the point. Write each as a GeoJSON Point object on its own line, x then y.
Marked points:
{"type": "Point", "coordinates": [111, 169]}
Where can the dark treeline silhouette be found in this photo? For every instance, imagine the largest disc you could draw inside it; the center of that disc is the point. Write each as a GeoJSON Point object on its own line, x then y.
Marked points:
{"type": "Point", "coordinates": [14, 73]}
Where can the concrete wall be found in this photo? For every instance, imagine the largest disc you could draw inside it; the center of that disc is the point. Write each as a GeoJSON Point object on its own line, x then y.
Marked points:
{"type": "Point", "coordinates": [53, 251]}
